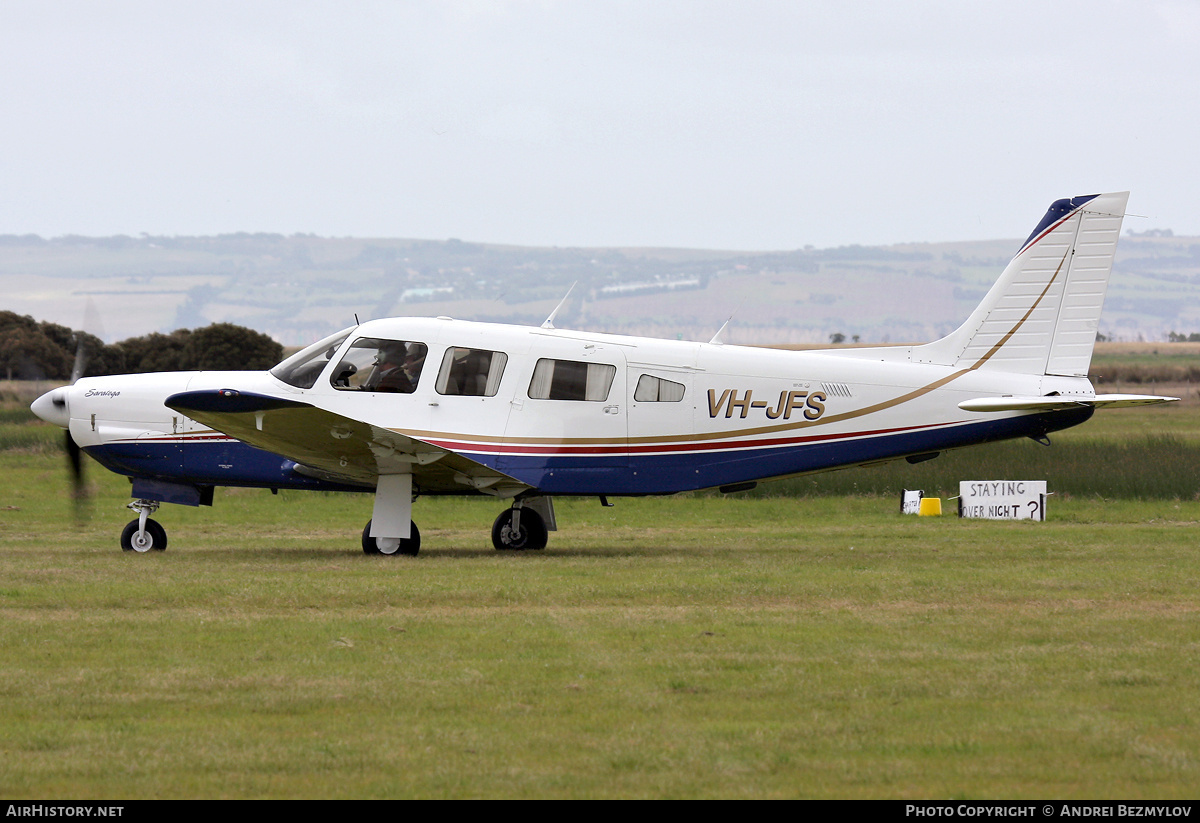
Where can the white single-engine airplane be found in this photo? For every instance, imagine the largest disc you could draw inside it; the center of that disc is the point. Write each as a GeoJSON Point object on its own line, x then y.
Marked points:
{"type": "Point", "coordinates": [430, 406]}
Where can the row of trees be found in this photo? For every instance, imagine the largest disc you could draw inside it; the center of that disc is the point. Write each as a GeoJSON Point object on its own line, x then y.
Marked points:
{"type": "Point", "coordinates": [33, 350]}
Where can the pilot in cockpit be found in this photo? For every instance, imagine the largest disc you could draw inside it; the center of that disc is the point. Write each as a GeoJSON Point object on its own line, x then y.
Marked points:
{"type": "Point", "coordinates": [390, 374]}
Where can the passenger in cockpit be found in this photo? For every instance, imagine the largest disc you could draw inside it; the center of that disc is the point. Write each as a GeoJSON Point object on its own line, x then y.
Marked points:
{"type": "Point", "coordinates": [413, 361]}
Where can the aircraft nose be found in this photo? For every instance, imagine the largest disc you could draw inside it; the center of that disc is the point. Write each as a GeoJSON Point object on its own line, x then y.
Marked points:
{"type": "Point", "coordinates": [52, 407]}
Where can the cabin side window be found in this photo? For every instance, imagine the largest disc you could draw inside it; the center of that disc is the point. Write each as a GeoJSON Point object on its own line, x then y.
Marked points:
{"type": "Point", "coordinates": [651, 389]}
{"type": "Point", "coordinates": [471, 372]}
{"type": "Point", "coordinates": [380, 365]}
{"type": "Point", "coordinates": [571, 380]}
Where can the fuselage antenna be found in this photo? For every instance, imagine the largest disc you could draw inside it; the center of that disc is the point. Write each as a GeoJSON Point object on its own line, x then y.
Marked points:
{"type": "Point", "coordinates": [716, 338]}
{"type": "Point", "coordinates": [549, 323]}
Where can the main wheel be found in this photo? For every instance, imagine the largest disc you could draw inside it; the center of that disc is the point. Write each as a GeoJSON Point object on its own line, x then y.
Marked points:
{"type": "Point", "coordinates": [531, 533]}
{"type": "Point", "coordinates": [391, 545]}
{"type": "Point", "coordinates": [153, 538]}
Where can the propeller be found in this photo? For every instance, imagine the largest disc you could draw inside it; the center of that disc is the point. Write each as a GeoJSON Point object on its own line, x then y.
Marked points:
{"type": "Point", "coordinates": [79, 487]}
{"type": "Point", "coordinates": [54, 407]}
{"type": "Point", "coordinates": [81, 358]}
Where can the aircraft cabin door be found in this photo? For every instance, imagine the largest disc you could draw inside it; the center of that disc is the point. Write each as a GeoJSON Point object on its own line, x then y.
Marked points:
{"type": "Point", "coordinates": [662, 409]}
{"type": "Point", "coordinates": [567, 429]}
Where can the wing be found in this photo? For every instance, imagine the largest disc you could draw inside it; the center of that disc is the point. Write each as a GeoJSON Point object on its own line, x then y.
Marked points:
{"type": "Point", "coordinates": [334, 447]}
{"type": "Point", "coordinates": [1059, 402]}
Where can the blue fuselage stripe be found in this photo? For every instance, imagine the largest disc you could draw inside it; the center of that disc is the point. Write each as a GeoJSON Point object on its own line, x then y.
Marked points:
{"type": "Point", "coordinates": [233, 463]}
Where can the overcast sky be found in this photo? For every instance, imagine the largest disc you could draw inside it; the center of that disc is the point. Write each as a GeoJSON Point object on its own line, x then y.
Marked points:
{"type": "Point", "coordinates": [729, 125]}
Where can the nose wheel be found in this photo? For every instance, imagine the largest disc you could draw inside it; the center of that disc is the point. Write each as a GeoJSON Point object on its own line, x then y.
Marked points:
{"type": "Point", "coordinates": [144, 534]}
{"type": "Point", "coordinates": [138, 538]}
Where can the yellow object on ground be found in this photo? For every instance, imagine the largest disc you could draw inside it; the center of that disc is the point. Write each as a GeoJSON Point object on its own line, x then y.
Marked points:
{"type": "Point", "coordinates": [930, 506]}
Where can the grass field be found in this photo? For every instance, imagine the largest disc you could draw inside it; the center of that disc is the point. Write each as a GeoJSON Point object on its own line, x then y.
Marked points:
{"type": "Point", "coordinates": [779, 646]}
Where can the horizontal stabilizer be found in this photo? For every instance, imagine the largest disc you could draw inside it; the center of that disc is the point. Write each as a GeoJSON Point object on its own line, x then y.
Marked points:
{"type": "Point", "coordinates": [1058, 402]}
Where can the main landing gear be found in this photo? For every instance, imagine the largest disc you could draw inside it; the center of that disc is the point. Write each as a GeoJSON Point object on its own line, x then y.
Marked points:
{"type": "Point", "coordinates": [391, 545]}
{"type": "Point", "coordinates": [516, 529]}
{"type": "Point", "coordinates": [519, 528]}
{"type": "Point", "coordinates": [144, 534]}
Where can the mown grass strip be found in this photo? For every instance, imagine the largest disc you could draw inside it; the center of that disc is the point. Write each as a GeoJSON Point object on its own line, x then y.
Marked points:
{"type": "Point", "coordinates": [680, 647]}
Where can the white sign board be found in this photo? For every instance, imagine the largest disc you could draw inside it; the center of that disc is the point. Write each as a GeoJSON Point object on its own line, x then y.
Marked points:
{"type": "Point", "coordinates": [910, 501]}
{"type": "Point", "coordinates": [1002, 499]}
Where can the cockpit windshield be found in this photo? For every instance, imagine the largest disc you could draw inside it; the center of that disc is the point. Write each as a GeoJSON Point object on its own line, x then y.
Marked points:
{"type": "Point", "coordinates": [304, 367]}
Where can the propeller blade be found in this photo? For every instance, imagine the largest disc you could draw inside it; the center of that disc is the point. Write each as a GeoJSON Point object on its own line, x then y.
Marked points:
{"type": "Point", "coordinates": [81, 358]}
{"type": "Point", "coordinates": [79, 491]}
{"type": "Point", "coordinates": [89, 341]}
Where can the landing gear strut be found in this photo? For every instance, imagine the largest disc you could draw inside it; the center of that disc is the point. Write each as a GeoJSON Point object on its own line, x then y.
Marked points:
{"type": "Point", "coordinates": [144, 534]}
{"type": "Point", "coordinates": [519, 528]}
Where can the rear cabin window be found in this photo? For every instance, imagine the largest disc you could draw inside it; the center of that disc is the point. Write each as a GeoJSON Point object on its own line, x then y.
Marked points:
{"type": "Point", "coordinates": [380, 365]}
{"type": "Point", "coordinates": [651, 389]}
{"type": "Point", "coordinates": [471, 372]}
{"type": "Point", "coordinates": [571, 380]}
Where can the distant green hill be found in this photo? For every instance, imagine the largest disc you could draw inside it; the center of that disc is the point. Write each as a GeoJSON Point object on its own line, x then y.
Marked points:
{"type": "Point", "coordinates": [297, 288]}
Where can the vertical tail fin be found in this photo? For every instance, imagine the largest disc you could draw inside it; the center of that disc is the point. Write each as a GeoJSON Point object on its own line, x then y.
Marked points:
{"type": "Point", "coordinates": [1041, 316]}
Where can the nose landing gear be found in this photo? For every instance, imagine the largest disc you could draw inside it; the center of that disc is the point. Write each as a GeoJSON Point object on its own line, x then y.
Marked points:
{"type": "Point", "coordinates": [144, 534]}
